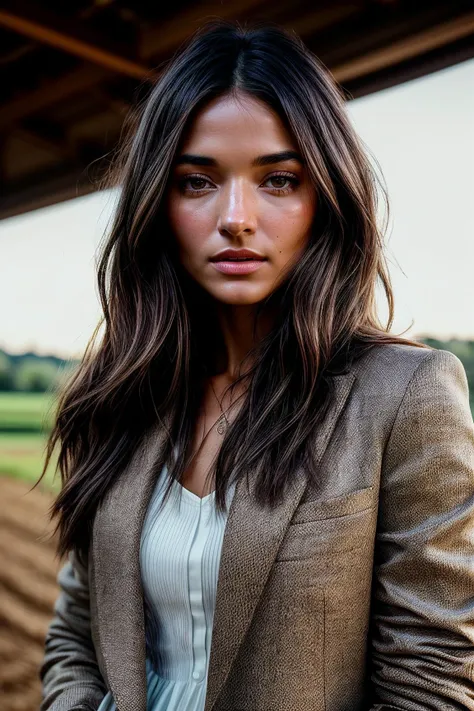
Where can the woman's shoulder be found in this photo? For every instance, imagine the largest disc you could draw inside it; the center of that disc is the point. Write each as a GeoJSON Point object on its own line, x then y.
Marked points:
{"type": "Point", "coordinates": [399, 362]}
{"type": "Point", "coordinates": [387, 375]}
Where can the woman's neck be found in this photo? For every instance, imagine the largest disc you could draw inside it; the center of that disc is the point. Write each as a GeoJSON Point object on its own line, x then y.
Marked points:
{"type": "Point", "coordinates": [240, 337]}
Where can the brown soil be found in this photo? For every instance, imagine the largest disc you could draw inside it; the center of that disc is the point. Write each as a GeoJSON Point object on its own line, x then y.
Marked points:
{"type": "Point", "coordinates": [28, 589]}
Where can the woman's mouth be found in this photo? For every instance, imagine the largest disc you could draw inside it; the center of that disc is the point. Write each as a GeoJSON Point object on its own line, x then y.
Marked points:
{"type": "Point", "coordinates": [238, 266]}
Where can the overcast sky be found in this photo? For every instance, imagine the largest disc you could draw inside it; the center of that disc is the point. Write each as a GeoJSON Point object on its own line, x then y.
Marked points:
{"type": "Point", "coordinates": [422, 135]}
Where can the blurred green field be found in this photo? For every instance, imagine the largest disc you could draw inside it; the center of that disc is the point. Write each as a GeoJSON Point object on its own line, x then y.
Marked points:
{"type": "Point", "coordinates": [25, 419]}
{"type": "Point", "coordinates": [21, 412]}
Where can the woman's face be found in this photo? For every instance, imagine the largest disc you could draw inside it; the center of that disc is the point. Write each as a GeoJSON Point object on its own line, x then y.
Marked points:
{"type": "Point", "coordinates": [239, 183]}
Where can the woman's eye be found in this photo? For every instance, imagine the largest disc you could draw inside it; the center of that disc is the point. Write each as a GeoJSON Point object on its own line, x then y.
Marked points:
{"type": "Point", "coordinates": [279, 181]}
{"type": "Point", "coordinates": [282, 183]}
{"type": "Point", "coordinates": [195, 183]}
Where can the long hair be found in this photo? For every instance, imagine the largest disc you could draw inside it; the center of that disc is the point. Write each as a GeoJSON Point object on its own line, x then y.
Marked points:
{"type": "Point", "coordinates": [148, 364]}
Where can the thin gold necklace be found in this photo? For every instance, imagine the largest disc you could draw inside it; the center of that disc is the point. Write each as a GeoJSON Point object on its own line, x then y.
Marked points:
{"type": "Point", "coordinates": [222, 423]}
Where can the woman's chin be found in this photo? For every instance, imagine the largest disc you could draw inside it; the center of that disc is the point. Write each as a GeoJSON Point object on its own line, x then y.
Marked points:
{"type": "Point", "coordinates": [244, 295]}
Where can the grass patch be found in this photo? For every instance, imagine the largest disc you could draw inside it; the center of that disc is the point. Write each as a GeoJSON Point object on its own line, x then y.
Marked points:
{"type": "Point", "coordinates": [22, 456]}
{"type": "Point", "coordinates": [25, 420]}
{"type": "Point", "coordinates": [26, 412]}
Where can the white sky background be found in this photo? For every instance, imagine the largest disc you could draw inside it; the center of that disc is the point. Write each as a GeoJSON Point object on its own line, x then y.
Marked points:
{"type": "Point", "coordinates": [422, 135]}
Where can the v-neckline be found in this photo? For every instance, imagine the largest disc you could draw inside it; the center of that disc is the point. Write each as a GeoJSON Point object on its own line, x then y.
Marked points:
{"type": "Point", "coordinates": [191, 495]}
{"type": "Point", "coordinates": [187, 492]}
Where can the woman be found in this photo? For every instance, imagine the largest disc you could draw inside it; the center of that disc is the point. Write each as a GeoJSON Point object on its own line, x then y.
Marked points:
{"type": "Point", "coordinates": [248, 457]}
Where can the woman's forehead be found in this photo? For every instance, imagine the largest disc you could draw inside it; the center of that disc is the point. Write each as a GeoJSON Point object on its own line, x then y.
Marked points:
{"type": "Point", "coordinates": [243, 126]}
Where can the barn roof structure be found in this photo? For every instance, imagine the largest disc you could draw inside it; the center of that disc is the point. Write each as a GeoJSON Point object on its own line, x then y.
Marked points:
{"type": "Point", "coordinates": [71, 71]}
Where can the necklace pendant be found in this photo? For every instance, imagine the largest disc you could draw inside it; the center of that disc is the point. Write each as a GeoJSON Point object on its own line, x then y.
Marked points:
{"type": "Point", "coordinates": [221, 424]}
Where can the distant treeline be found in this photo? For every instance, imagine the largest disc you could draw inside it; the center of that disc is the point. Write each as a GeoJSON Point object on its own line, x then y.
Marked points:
{"type": "Point", "coordinates": [33, 373]}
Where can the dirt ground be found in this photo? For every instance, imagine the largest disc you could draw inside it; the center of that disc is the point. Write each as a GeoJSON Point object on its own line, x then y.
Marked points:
{"type": "Point", "coordinates": [28, 589]}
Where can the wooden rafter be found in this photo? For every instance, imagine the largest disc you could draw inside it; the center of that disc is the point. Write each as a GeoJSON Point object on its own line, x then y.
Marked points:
{"type": "Point", "coordinates": [159, 42]}
{"type": "Point", "coordinates": [58, 90]}
{"type": "Point", "coordinates": [155, 42]}
{"type": "Point", "coordinates": [406, 48]}
{"type": "Point", "coordinates": [32, 22]}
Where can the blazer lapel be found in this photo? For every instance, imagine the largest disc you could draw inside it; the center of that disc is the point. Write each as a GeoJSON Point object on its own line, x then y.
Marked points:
{"type": "Point", "coordinates": [251, 540]}
{"type": "Point", "coordinates": [116, 591]}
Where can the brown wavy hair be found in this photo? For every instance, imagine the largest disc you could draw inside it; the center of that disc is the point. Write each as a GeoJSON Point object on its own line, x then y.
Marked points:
{"type": "Point", "coordinates": [149, 364]}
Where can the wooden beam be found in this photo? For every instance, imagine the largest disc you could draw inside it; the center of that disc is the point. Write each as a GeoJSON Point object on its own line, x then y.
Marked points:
{"type": "Point", "coordinates": [3, 142]}
{"type": "Point", "coordinates": [163, 39]}
{"type": "Point", "coordinates": [89, 76]}
{"type": "Point", "coordinates": [43, 191]}
{"type": "Point", "coordinates": [405, 48]}
{"type": "Point", "coordinates": [49, 137]}
{"type": "Point", "coordinates": [318, 19]}
{"type": "Point", "coordinates": [31, 21]}
{"type": "Point", "coordinates": [436, 60]}
{"type": "Point", "coordinates": [44, 143]}
{"type": "Point", "coordinates": [54, 185]}
{"type": "Point", "coordinates": [54, 91]}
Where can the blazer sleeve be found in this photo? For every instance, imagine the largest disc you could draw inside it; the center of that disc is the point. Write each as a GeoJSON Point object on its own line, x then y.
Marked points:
{"type": "Point", "coordinates": [69, 673]}
{"type": "Point", "coordinates": [422, 620]}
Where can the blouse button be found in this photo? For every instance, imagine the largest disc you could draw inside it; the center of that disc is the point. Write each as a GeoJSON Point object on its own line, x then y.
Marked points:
{"type": "Point", "coordinates": [196, 675]}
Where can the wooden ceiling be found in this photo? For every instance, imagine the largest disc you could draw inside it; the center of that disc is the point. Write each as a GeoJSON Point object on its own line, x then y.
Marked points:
{"type": "Point", "coordinates": [70, 71]}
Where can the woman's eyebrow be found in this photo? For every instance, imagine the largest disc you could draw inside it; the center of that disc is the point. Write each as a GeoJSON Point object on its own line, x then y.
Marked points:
{"type": "Point", "coordinates": [282, 156]}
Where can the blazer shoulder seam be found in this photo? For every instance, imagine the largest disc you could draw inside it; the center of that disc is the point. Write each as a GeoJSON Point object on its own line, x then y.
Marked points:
{"type": "Point", "coordinates": [429, 355]}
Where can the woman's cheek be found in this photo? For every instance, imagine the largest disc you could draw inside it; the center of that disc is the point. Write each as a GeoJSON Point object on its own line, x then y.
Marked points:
{"type": "Point", "coordinates": [189, 228]}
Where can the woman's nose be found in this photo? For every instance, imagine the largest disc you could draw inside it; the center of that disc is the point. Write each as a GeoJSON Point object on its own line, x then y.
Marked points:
{"type": "Point", "coordinates": [237, 211]}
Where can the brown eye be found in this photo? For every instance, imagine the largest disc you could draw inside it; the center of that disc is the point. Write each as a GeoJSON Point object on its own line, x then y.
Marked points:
{"type": "Point", "coordinates": [278, 181]}
{"type": "Point", "coordinates": [281, 183]}
{"type": "Point", "coordinates": [197, 183]}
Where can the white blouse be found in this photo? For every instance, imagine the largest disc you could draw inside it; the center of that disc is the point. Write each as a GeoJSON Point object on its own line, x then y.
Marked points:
{"type": "Point", "coordinates": [179, 557]}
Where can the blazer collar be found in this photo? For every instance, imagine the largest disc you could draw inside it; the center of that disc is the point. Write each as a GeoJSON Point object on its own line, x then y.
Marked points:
{"type": "Point", "coordinates": [251, 540]}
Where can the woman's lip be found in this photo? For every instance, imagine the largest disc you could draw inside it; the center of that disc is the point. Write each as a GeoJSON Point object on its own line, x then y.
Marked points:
{"type": "Point", "coordinates": [234, 267]}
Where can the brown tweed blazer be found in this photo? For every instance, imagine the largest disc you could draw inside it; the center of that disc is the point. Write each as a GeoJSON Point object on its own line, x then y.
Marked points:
{"type": "Point", "coordinates": [355, 595]}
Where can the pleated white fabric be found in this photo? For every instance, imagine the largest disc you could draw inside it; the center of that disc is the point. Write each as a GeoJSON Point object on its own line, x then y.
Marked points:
{"type": "Point", "coordinates": [179, 556]}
